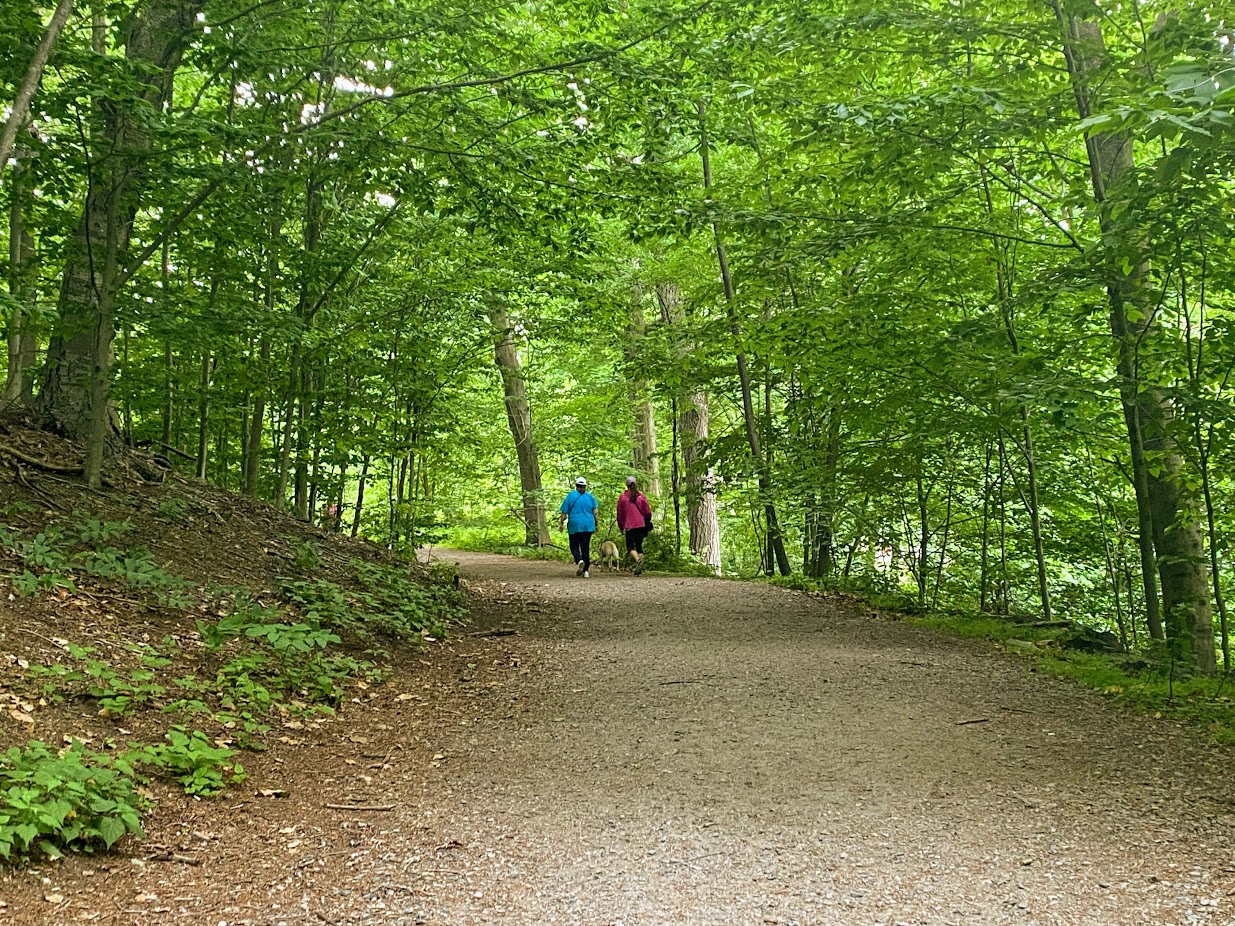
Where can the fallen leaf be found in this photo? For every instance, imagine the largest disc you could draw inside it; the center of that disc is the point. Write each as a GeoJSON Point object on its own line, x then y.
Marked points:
{"type": "Point", "coordinates": [21, 716]}
{"type": "Point", "coordinates": [54, 898]}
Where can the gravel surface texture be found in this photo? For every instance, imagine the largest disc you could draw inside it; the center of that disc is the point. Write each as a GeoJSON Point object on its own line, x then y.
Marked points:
{"type": "Point", "coordinates": [689, 752]}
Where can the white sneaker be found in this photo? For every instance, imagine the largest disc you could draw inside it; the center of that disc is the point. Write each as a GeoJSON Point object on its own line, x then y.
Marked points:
{"type": "Point", "coordinates": [586, 574]}
{"type": "Point", "coordinates": [580, 570]}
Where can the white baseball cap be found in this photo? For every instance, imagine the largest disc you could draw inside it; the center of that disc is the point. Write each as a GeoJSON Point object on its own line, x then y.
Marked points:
{"type": "Point", "coordinates": [580, 481]}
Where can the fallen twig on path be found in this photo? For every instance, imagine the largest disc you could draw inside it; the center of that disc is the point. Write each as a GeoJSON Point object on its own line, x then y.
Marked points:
{"type": "Point", "coordinates": [372, 807]}
{"type": "Point", "coordinates": [961, 723]}
{"type": "Point", "coordinates": [502, 632]}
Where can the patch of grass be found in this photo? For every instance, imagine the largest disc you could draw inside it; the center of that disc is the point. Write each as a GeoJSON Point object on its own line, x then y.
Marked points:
{"type": "Point", "coordinates": [1208, 703]}
{"type": "Point", "coordinates": [979, 627]}
{"type": "Point", "coordinates": [485, 538]}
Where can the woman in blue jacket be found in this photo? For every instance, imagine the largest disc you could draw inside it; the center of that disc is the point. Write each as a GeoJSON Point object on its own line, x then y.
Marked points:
{"type": "Point", "coordinates": [578, 514]}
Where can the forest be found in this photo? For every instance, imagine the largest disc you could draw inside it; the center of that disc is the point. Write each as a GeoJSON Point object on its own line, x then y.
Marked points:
{"type": "Point", "coordinates": [928, 299]}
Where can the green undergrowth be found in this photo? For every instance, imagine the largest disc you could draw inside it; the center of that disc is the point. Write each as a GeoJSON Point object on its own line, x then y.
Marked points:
{"type": "Point", "coordinates": [255, 663]}
{"type": "Point", "coordinates": [56, 557]}
{"type": "Point", "coordinates": [1138, 681]}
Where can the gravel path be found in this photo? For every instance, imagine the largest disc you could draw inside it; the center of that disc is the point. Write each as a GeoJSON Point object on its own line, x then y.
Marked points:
{"type": "Point", "coordinates": [655, 750]}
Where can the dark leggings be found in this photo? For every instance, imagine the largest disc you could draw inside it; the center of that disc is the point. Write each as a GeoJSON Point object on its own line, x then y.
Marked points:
{"type": "Point", "coordinates": [634, 539]}
{"type": "Point", "coordinates": [581, 548]}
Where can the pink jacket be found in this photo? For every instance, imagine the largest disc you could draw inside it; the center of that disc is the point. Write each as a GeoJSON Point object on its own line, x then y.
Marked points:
{"type": "Point", "coordinates": [633, 514]}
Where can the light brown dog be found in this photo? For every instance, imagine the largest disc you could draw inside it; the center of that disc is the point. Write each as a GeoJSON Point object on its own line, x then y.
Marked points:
{"type": "Point", "coordinates": [608, 555]}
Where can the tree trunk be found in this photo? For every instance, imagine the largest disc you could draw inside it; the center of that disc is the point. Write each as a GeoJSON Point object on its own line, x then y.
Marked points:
{"type": "Point", "coordinates": [76, 378]}
{"type": "Point", "coordinates": [701, 516]}
{"type": "Point", "coordinates": [364, 475]}
{"type": "Point", "coordinates": [519, 417]}
{"type": "Point", "coordinates": [30, 83]}
{"type": "Point", "coordinates": [692, 426]}
{"type": "Point", "coordinates": [203, 414]}
{"type": "Point", "coordinates": [1163, 503]}
{"type": "Point", "coordinates": [775, 540]}
{"type": "Point", "coordinates": [252, 461]}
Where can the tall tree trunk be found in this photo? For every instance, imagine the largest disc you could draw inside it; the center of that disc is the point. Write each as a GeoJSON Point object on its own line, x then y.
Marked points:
{"type": "Point", "coordinates": [1164, 504]}
{"type": "Point", "coordinates": [30, 83]}
{"type": "Point", "coordinates": [519, 417]}
{"type": "Point", "coordinates": [289, 420]}
{"type": "Point", "coordinates": [203, 414]}
{"type": "Point", "coordinates": [775, 541]}
{"type": "Point", "coordinates": [693, 431]}
{"type": "Point", "coordinates": [359, 513]}
{"type": "Point", "coordinates": [73, 398]}
{"type": "Point", "coordinates": [701, 515]}
{"type": "Point", "coordinates": [1004, 289]}
{"type": "Point", "coordinates": [253, 458]}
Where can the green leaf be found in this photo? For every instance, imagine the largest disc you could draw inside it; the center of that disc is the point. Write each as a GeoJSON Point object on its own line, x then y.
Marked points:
{"type": "Point", "coordinates": [111, 829]}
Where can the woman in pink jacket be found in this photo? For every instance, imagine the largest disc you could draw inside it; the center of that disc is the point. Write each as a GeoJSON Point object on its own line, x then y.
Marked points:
{"type": "Point", "coordinates": [634, 517]}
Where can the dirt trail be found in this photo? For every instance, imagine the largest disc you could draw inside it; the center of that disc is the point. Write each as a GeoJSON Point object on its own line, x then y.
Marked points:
{"type": "Point", "coordinates": [654, 750]}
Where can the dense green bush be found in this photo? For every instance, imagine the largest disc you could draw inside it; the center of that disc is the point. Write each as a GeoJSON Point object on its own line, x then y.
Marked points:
{"type": "Point", "coordinates": [74, 799]}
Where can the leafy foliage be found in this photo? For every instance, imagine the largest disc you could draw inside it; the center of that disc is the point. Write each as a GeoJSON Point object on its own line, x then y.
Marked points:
{"type": "Point", "coordinates": [190, 758]}
{"type": "Point", "coordinates": [74, 799]}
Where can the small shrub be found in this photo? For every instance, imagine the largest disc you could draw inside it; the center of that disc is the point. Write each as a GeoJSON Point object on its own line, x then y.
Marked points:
{"type": "Point", "coordinates": [307, 557]}
{"type": "Point", "coordinates": [173, 510]}
{"type": "Point", "coordinates": [193, 760]}
{"type": "Point", "coordinates": [118, 695]}
{"type": "Point", "coordinates": [92, 531]}
{"type": "Point", "coordinates": [75, 799]}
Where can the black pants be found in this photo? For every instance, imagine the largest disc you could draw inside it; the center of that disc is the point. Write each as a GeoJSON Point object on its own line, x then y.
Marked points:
{"type": "Point", "coordinates": [581, 548]}
{"type": "Point", "coordinates": [634, 539]}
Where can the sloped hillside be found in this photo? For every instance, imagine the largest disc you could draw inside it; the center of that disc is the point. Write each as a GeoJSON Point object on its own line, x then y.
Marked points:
{"type": "Point", "coordinates": [159, 641]}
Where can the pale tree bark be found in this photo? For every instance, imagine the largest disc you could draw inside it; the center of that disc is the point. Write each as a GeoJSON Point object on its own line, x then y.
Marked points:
{"type": "Point", "coordinates": [76, 379]}
{"type": "Point", "coordinates": [693, 427]}
{"type": "Point", "coordinates": [701, 513]}
{"type": "Point", "coordinates": [519, 417]}
{"type": "Point", "coordinates": [1171, 532]}
{"type": "Point", "coordinates": [775, 540]}
{"type": "Point", "coordinates": [30, 83]}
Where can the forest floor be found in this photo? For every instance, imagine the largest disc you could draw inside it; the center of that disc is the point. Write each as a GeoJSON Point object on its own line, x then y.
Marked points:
{"type": "Point", "coordinates": [652, 750]}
